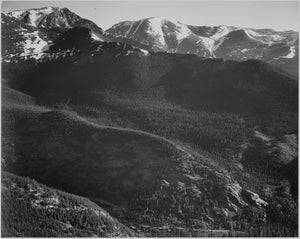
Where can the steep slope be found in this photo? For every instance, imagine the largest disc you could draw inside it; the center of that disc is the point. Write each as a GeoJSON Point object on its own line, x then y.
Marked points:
{"type": "Point", "coordinates": [30, 209]}
{"type": "Point", "coordinates": [213, 32]}
{"type": "Point", "coordinates": [141, 178]}
{"type": "Point", "coordinates": [27, 33]}
{"type": "Point", "coordinates": [52, 17]}
{"type": "Point", "coordinates": [247, 44]}
{"type": "Point", "coordinates": [250, 86]}
{"type": "Point", "coordinates": [236, 45]}
{"type": "Point", "coordinates": [278, 48]}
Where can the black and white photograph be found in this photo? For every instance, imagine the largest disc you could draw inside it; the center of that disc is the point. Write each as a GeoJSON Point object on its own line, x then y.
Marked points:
{"type": "Point", "coordinates": [149, 118]}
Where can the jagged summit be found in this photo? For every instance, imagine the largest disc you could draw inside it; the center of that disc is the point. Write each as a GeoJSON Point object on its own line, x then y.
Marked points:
{"type": "Point", "coordinates": [28, 33]}
{"type": "Point", "coordinates": [46, 17]}
{"type": "Point", "coordinates": [17, 13]}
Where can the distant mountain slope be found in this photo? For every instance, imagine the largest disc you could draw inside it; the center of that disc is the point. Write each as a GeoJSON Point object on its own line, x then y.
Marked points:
{"type": "Point", "coordinates": [30, 209]}
{"type": "Point", "coordinates": [162, 35]}
{"type": "Point", "coordinates": [218, 41]}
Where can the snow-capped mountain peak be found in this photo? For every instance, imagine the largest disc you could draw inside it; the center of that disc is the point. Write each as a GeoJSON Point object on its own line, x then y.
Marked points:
{"type": "Point", "coordinates": [167, 28]}
{"type": "Point", "coordinates": [27, 33]}
{"type": "Point", "coordinates": [36, 17]}
{"type": "Point", "coordinates": [35, 11]}
{"type": "Point", "coordinates": [158, 32]}
{"type": "Point", "coordinates": [228, 42]}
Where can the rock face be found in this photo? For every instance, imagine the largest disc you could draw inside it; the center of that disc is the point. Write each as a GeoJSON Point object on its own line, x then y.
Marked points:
{"type": "Point", "coordinates": [253, 198]}
{"type": "Point", "coordinates": [288, 148]}
{"type": "Point", "coordinates": [281, 151]}
{"type": "Point", "coordinates": [52, 213]}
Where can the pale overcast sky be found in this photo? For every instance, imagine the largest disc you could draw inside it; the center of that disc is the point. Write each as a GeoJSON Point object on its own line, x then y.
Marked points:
{"type": "Point", "coordinates": [279, 15]}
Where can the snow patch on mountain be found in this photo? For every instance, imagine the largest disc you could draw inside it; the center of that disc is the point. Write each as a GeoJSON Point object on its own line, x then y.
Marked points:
{"type": "Point", "coordinates": [155, 29]}
{"type": "Point", "coordinates": [34, 15]}
{"type": "Point", "coordinates": [95, 37]}
{"type": "Point", "coordinates": [264, 38]}
{"type": "Point", "coordinates": [207, 42]}
{"type": "Point", "coordinates": [33, 45]}
{"type": "Point", "coordinates": [251, 34]}
{"type": "Point", "coordinates": [129, 29]}
{"type": "Point", "coordinates": [221, 32]}
{"type": "Point", "coordinates": [292, 53]}
{"type": "Point", "coordinates": [181, 30]}
{"type": "Point", "coordinates": [245, 50]}
{"type": "Point", "coordinates": [138, 27]}
{"type": "Point", "coordinates": [127, 23]}
{"type": "Point", "coordinates": [15, 14]}
{"type": "Point", "coordinates": [144, 52]}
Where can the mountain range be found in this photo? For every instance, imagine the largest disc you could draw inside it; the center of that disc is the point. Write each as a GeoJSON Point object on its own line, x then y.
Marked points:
{"type": "Point", "coordinates": [29, 32]}
{"type": "Point", "coordinates": [227, 42]}
{"type": "Point", "coordinates": [150, 128]}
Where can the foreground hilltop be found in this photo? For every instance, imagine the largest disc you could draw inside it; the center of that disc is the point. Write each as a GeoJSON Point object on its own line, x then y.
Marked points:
{"type": "Point", "coordinates": [30, 209]}
{"type": "Point", "coordinates": [148, 182]}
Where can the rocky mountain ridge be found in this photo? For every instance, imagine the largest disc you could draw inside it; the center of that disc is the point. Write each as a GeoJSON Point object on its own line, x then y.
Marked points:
{"type": "Point", "coordinates": [228, 42]}
{"type": "Point", "coordinates": [28, 33]}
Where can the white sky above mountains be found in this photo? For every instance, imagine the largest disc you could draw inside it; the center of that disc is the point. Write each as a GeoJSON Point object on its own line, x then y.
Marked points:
{"type": "Point", "coordinates": [278, 15]}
